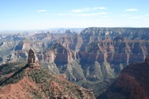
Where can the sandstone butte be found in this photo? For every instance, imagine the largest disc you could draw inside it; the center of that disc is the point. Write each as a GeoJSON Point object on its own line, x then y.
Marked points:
{"type": "Point", "coordinates": [34, 82]}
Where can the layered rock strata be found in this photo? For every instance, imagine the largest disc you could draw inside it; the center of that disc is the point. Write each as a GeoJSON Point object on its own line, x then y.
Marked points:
{"type": "Point", "coordinates": [132, 83]}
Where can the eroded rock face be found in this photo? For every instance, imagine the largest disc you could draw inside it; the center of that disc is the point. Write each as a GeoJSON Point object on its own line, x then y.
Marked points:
{"type": "Point", "coordinates": [115, 52]}
{"type": "Point", "coordinates": [98, 52]}
{"type": "Point", "coordinates": [99, 60]}
{"type": "Point", "coordinates": [132, 83]}
{"type": "Point", "coordinates": [59, 54]}
{"type": "Point", "coordinates": [32, 58]}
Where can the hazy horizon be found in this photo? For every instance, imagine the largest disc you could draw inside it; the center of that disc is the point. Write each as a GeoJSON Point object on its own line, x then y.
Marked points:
{"type": "Point", "coordinates": [47, 29]}
{"type": "Point", "coordinates": [46, 14]}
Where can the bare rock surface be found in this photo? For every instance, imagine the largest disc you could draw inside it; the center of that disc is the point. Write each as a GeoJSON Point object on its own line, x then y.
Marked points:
{"type": "Point", "coordinates": [132, 83]}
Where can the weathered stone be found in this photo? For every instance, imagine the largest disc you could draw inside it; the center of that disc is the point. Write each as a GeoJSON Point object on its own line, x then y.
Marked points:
{"type": "Point", "coordinates": [32, 58]}
{"type": "Point", "coordinates": [132, 83]}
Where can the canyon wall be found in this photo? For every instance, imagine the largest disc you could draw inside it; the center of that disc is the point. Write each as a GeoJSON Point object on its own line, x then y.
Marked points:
{"type": "Point", "coordinates": [93, 55]}
{"type": "Point", "coordinates": [132, 83]}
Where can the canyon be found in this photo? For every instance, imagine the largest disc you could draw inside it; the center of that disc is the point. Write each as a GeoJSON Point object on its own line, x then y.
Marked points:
{"type": "Point", "coordinates": [91, 57]}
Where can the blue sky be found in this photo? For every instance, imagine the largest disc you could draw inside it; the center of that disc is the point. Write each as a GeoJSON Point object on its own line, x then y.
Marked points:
{"type": "Point", "coordinates": [44, 14]}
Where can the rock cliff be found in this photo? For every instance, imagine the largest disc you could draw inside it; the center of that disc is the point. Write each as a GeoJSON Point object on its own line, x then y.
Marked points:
{"type": "Point", "coordinates": [132, 83]}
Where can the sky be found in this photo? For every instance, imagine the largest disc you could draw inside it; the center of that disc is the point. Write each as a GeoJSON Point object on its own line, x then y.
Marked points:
{"type": "Point", "coordinates": [44, 14]}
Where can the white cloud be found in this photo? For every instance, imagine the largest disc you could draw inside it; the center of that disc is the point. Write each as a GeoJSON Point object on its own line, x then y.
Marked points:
{"type": "Point", "coordinates": [125, 15]}
{"type": "Point", "coordinates": [132, 9]}
{"type": "Point", "coordinates": [87, 14]}
{"type": "Point", "coordinates": [99, 8]}
{"type": "Point", "coordinates": [78, 10]}
{"type": "Point", "coordinates": [91, 14]}
{"type": "Point", "coordinates": [88, 9]}
{"type": "Point", "coordinates": [41, 11]}
{"type": "Point", "coordinates": [82, 14]}
{"type": "Point", "coordinates": [61, 14]}
{"type": "Point", "coordinates": [103, 13]}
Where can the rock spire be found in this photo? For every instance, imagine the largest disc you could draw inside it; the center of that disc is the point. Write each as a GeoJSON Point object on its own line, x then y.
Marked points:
{"type": "Point", "coordinates": [32, 58]}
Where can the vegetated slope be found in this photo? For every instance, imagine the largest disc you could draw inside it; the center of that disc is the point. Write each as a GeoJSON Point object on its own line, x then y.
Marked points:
{"type": "Point", "coordinates": [37, 83]}
{"type": "Point", "coordinates": [7, 70]}
{"type": "Point", "coordinates": [132, 83]}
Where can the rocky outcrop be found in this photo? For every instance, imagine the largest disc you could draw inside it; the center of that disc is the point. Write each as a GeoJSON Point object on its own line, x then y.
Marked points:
{"type": "Point", "coordinates": [32, 58]}
{"type": "Point", "coordinates": [39, 83]}
{"type": "Point", "coordinates": [58, 54]}
{"type": "Point", "coordinates": [132, 83]}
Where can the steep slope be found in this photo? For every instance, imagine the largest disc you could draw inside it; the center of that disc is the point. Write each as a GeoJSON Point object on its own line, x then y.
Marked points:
{"type": "Point", "coordinates": [34, 82]}
{"type": "Point", "coordinates": [114, 54]}
{"type": "Point", "coordinates": [6, 70]}
{"type": "Point", "coordinates": [62, 60]}
{"type": "Point", "coordinates": [132, 83]}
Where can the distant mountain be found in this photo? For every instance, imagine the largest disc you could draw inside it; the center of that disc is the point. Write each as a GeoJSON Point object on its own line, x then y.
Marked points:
{"type": "Point", "coordinates": [34, 82]}
{"type": "Point", "coordinates": [63, 30]}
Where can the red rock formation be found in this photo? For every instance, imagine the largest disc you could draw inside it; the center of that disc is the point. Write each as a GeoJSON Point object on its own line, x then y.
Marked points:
{"type": "Point", "coordinates": [31, 83]}
{"type": "Point", "coordinates": [59, 88]}
{"type": "Point", "coordinates": [115, 52]}
{"type": "Point", "coordinates": [59, 54]}
{"type": "Point", "coordinates": [132, 83]}
{"type": "Point", "coordinates": [32, 58]}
